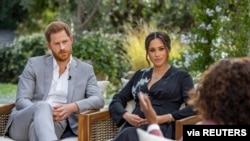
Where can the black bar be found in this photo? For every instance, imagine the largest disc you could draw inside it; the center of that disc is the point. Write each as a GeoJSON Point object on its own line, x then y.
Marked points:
{"type": "Point", "coordinates": [216, 132]}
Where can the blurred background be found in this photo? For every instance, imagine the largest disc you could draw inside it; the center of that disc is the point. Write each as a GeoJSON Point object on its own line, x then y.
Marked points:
{"type": "Point", "coordinates": [111, 33]}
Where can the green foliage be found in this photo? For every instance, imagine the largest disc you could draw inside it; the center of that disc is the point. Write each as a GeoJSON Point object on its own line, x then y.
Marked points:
{"type": "Point", "coordinates": [7, 88]}
{"type": "Point", "coordinates": [236, 23]}
{"type": "Point", "coordinates": [113, 14]}
{"type": "Point", "coordinates": [213, 29]}
{"type": "Point", "coordinates": [106, 53]}
{"type": "Point", "coordinates": [40, 13]}
{"type": "Point", "coordinates": [14, 56]}
{"type": "Point", "coordinates": [104, 50]}
{"type": "Point", "coordinates": [11, 13]}
{"type": "Point", "coordinates": [204, 34]}
{"type": "Point", "coordinates": [220, 31]}
{"type": "Point", "coordinates": [171, 14]}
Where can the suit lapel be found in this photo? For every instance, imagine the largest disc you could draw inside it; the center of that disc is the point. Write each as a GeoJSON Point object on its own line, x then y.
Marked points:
{"type": "Point", "coordinates": [73, 74]}
{"type": "Point", "coordinates": [48, 75]}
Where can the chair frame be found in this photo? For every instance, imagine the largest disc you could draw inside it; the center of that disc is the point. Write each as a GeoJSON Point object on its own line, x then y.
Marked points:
{"type": "Point", "coordinates": [4, 115]}
{"type": "Point", "coordinates": [96, 125]}
{"type": "Point", "coordinates": [5, 110]}
{"type": "Point", "coordinates": [104, 116]}
{"type": "Point", "coordinates": [191, 120]}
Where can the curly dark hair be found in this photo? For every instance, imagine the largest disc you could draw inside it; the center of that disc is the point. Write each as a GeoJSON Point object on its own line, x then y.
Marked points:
{"type": "Point", "coordinates": [223, 93]}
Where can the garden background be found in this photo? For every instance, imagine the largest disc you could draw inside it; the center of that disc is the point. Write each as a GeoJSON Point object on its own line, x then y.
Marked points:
{"type": "Point", "coordinates": [111, 33]}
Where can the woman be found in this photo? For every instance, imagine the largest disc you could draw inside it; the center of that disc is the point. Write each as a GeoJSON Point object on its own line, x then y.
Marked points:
{"type": "Point", "coordinates": [166, 86]}
{"type": "Point", "coordinates": [223, 93]}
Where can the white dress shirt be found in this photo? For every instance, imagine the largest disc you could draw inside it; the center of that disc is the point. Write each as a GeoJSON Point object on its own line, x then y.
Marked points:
{"type": "Point", "coordinates": [59, 87]}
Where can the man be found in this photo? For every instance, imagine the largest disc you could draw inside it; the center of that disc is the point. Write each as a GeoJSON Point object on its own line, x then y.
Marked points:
{"type": "Point", "coordinates": [52, 90]}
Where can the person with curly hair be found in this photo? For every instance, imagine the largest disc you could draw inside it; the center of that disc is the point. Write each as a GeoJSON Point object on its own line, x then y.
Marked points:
{"type": "Point", "coordinates": [222, 96]}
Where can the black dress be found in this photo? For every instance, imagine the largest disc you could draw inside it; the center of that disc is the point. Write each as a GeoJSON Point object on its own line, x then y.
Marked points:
{"type": "Point", "coordinates": [166, 95]}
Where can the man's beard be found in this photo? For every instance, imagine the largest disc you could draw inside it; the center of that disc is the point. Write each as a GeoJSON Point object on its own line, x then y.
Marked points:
{"type": "Point", "coordinates": [60, 57]}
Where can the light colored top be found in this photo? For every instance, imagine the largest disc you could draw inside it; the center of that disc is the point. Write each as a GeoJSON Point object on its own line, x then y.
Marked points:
{"type": "Point", "coordinates": [59, 86]}
{"type": "Point", "coordinates": [152, 127]}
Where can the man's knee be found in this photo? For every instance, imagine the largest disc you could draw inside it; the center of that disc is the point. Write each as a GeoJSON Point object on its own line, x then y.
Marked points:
{"type": "Point", "coordinates": [42, 106]}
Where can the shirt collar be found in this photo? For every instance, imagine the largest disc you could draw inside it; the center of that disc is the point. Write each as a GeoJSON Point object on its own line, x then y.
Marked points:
{"type": "Point", "coordinates": [55, 65]}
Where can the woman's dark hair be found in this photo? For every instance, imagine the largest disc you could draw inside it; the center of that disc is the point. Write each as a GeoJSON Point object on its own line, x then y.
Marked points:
{"type": "Point", "coordinates": [223, 93]}
{"type": "Point", "coordinates": [160, 35]}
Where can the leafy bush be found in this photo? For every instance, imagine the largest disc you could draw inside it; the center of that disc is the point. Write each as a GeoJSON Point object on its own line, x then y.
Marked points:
{"type": "Point", "coordinates": [14, 56]}
{"type": "Point", "coordinates": [215, 34]}
{"type": "Point", "coordinates": [105, 52]}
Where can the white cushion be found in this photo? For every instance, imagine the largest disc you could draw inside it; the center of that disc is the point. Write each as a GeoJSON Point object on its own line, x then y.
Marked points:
{"type": "Point", "coordinates": [103, 85]}
{"type": "Point", "coordinates": [70, 139]}
{"type": "Point", "coordinates": [130, 104]}
{"type": "Point", "coordinates": [5, 139]}
{"type": "Point", "coordinates": [124, 81]}
{"type": "Point", "coordinates": [145, 136]}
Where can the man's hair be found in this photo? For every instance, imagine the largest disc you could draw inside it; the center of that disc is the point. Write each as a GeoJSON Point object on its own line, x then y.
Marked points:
{"type": "Point", "coordinates": [55, 27]}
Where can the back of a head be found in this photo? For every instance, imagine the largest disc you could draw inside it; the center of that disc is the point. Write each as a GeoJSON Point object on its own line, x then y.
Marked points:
{"type": "Point", "coordinates": [223, 92]}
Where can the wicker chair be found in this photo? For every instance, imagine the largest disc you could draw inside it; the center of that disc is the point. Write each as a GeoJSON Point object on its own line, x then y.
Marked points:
{"type": "Point", "coordinates": [94, 125]}
{"type": "Point", "coordinates": [100, 127]}
{"type": "Point", "coordinates": [4, 115]}
{"type": "Point", "coordinates": [97, 126]}
{"type": "Point", "coordinates": [185, 121]}
{"type": "Point", "coordinates": [6, 109]}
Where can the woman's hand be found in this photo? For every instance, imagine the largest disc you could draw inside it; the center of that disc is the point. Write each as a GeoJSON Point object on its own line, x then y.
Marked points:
{"type": "Point", "coordinates": [134, 120]}
{"type": "Point", "coordinates": [165, 119]}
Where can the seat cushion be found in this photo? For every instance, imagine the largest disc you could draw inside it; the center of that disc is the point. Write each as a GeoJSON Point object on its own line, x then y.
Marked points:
{"type": "Point", "coordinates": [70, 139]}
{"type": "Point", "coordinates": [103, 85]}
{"type": "Point", "coordinates": [5, 139]}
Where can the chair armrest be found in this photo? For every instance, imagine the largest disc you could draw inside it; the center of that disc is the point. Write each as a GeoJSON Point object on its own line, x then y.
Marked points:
{"type": "Point", "coordinates": [191, 120]}
{"type": "Point", "coordinates": [4, 115]}
{"type": "Point", "coordinates": [6, 108]}
{"type": "Point", "coordinates": [96, 125]}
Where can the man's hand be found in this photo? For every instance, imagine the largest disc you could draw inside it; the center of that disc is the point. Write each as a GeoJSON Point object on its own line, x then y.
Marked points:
{"type": "Point", "coordinates": [63, 111]}
{"type": "Point", "coordinates": [147, 109]}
